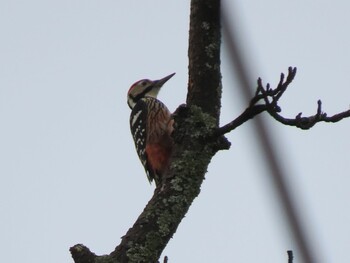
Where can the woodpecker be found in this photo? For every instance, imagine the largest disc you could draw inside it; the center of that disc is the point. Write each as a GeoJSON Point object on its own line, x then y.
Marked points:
{"type": "Point", "coordinates": [151, 126]}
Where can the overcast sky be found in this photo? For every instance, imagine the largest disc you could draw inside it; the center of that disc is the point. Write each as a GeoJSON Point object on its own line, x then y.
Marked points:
{"type": "Point", "coordinates": [69, 172]}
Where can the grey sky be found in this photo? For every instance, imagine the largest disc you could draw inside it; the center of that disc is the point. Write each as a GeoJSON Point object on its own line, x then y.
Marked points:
{"type": "Point", "coordinates": [68, 168]}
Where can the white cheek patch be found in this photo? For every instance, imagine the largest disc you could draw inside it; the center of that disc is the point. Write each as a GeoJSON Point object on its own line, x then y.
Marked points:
{"type": "Point", "coordinates": [153, 92]}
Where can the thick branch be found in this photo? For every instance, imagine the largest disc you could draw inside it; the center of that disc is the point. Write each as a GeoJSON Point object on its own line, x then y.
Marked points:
{"type": "Point", "coordinates": [204, 85]}
{"type": "Point", "coordinates": [147, 238]}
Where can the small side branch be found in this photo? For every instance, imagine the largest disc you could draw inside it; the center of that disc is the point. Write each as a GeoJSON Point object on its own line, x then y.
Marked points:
{"type": "Point", "coordinates": [81, 254]}
{"type": "Point", "coordinates": [266, 99]}
{"type": "Point", "coordinates": [306, 123]}
{"type": "Point", "coordinates": [248, 114]}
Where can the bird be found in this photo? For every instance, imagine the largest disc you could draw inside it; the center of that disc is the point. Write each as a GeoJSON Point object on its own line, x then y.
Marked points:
{"type": "Point", "coordinates": [151, 127]}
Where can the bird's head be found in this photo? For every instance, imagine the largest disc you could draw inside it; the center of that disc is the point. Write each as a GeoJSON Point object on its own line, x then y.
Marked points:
{"type": "Point", "coordinates": [145, 88]}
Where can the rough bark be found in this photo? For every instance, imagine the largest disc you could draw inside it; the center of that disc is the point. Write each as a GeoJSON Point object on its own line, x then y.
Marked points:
{"type": "Point", "coordinates": [197, 138]}
{"type": "Point", "coordinates": [204, 85]}
{"type": "Point", "coordinates": [147, 238]}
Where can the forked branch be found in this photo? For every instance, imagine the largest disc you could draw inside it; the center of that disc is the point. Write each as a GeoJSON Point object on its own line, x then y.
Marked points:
{"type": "Point", "coordinates": [266, 99]}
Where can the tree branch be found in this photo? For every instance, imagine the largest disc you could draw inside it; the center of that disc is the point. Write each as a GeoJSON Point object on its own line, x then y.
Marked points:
{"type": "Point", "coordinates": [81, 254]}
{"type": "Point", "coordinates": [194, 124]}
{"type": "Point", "coordinates": [204, 84]}
{"type": "Point", "coordinates": [147, 238]}
{"type": "Point", "coordinates": [248, 114]}
{"type": "Point", "coordinates": [306, 123]}
{"type": "Point", "coordinates": [270, 97]}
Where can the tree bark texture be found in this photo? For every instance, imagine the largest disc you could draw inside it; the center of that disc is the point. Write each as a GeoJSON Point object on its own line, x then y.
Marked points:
{"type": "Point", "coordinates": [197, 137]}
{"type": "Point", "coordinates": [204, 85]}
{"type": "Point", "coordinates": [193, 150]}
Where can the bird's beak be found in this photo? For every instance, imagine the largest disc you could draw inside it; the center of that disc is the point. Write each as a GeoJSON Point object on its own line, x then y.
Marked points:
{"type": "Point", "coordinates": [161, 82]}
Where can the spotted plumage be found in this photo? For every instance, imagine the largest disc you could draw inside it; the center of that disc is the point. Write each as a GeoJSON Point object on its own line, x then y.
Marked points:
{"type": "Point", "coordinates": [151, 127]}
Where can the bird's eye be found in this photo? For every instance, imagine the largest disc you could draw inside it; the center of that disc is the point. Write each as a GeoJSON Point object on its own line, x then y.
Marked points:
{"type": "Point", "coordinates": [144, 83]}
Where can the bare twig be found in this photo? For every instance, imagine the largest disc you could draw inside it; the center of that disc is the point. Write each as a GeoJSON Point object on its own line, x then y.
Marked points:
{"type": "Point", "coordinates": [276, 93]}
{"type": "Point", "coordinates": [306, 123]}
{"type": "Point", "coordinates": [260, 94]}
{"type": "Point", "coordinates": [248, 114]}
{"type": "Point", "coordinates": [290, 256]}
{"type": "Point", "coordinates": [270, 98]}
